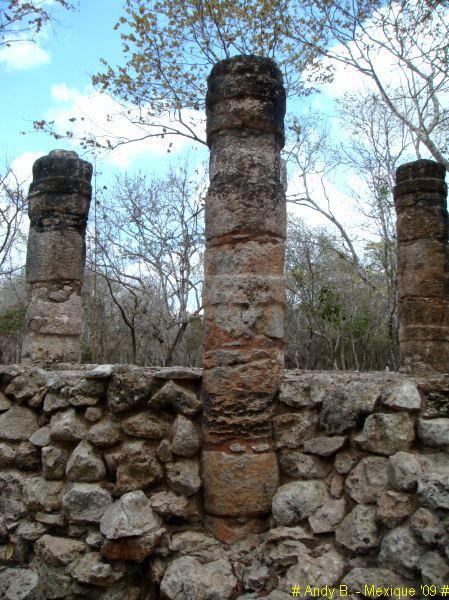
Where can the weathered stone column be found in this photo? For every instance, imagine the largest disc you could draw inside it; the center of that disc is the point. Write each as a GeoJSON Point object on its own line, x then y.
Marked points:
{"type": "Point", "coordinates": [244, 286]}
{"type": "Point", "coordinates": [59, 201]}
{"type": "Point", "coordinates": [423, 266]}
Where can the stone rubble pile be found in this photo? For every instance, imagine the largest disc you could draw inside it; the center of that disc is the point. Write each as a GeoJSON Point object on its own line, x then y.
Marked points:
{"type": "Point", "coordinates": [101, 487]}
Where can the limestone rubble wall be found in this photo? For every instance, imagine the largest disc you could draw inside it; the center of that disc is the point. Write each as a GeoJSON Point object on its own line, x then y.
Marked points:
{"type": "Point", "coordinates": [101, 489]}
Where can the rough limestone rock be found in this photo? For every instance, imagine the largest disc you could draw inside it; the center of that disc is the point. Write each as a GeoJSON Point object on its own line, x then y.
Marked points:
{"type": "Point", "coordinates": [358, 530]}
{"type": "Point", "coordinates": [186, 441]}
{"type": "Point", "coordinates": [41, 437]}
{"type": "Point", "coordinates": [295, 501]}
{"type": "Point", "coordinates": [347, 460]}
{"type": "Point", "coordinates": [135, 549]}
{"type": "Point", "coordinates": [403, 471]}
{"type": "Point", "coordinates": [131, 515]}
{"type": "Point", "coordinates": [104, 434]}
{"type": "Point", "coordinates": [30, 530]}
{"type": "Point", "coordinates": [427, 526]}
{"type": "Point", "coordinates": [403, 396]}
{"type": "Point", "coordinates": [58, 550]}
{"type": "Point", "coordinates": [27, 457]}
{"type": "Point", "coordinates": [186, 578]}
{"type": "Point", "coordinates": [328, 516]}
{"type": "Point", "coordinates": [346, 405]}
{"type": "Point", "coordinates": [290, 430]}
{"type": "Point", "coordinates": [319, 571]}
{"type": "Point", "coordinates": [173, 398]}
{"type": "Point", "coordinates": [7, 456]}
{"type": "Point", "coordinates": [179, 373]}
{"type": "Point", "coordinates": [18, 584]}
{"type": "Point", "coordinates": [255, 576]}
{"type": "Point", "coordinates": [5, 403]}
{"type": "Point", "coordinates": [387, 433]}
{"type": "Point", "coordinates": [67, 426]}
{"type": "Point", "coordinates": [18, 423]}
{"type": "Point", "coordinates": [324, 445]}
{"type": "Point", "coordinates": [303, 466]}
{"type": "Point", "coordinates": [130, 389]}
{"type": "Point", "coordinates": [298, 392]}
{"type": "Point", "coordinates": [144, 425]}
{"type": "Point", "coordinates": [91, 569]}
{"type": "Point", "coordinates": [54, 582]}
{"type": "Point", "coordinates": [40, 494]}
{"type": "Point", "coordinates": [434, 569]}
{"type": "Point", "coordinates": [394, 507]}
{"type": "Point", "coordinates": [435, 462]}
{"type": "Point", "coordinates": [434, 432]}
{"type": "Point", "coordinates": [12, 501]}
{"type": "Point", "coordinates": [86, 503]}
{"type": "Point", "coordinates": [283, 545]}
{"type": "Point", "coordinates": [435, 393]}
{"type": "Point", "coordinates": [137, 467]}
{"type": "Point", "coordinates": [93, 413]}
{"type": "Point", "coordinates": [434, 490]}
{"type": "Point", "coordinates": [183, 476]}
{"type": "Point", "coordinates": [367, 479]}
{"type": "Point", "coordinates": [100, 372]}
{"type": "Point", "coordinates": [85, 464]}
{"type": "Point", "coordinates": [168, 504]}
{"type": "Point", "coordinates": [54, 461]}
{"type": "Point", "coordinates": [164, 451]}
{"type": "Point", "coordinates": [27, 386]}
{"type": "Point", "coordinates": [197, 544]}
{"type": "Point", "coordinates": [401, 551]}
{"type": "Point", "coordinates": [359, 577]}
{"type": "Point", "coordinates": [54, 402]}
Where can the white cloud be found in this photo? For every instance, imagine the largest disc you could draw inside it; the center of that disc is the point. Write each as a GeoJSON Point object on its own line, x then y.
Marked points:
{"type": "Point", "coordinates": [97, 114]}
{"type": "Point", "coordinates": [19, 54]}
{"type": "Point", "coordinates": [23, 56]}
{"type": "Point", "coordinates": [22, 167]}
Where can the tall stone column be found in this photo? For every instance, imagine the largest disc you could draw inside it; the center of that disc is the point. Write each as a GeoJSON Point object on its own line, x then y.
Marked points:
{"type": "Point", "coordinates": [244, 287]}
{"type": "Point", "coordinates": [423, 266]}
{"type": "Point", "coordinates": [59, 199]}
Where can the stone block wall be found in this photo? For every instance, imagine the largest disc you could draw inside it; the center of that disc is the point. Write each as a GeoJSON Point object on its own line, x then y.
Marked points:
{"type": "Point", "coordinates": [101, 487]}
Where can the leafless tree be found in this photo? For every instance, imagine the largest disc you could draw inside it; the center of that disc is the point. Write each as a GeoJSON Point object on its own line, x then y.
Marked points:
{"type": "Point", "coordinates": [149, 251]}
{"type": "Point", "coordinates": [406, 37]}
{"type": "Point", "coordinates": [22, 20]}
{"type": "Point", "coordinates": [13, 204]}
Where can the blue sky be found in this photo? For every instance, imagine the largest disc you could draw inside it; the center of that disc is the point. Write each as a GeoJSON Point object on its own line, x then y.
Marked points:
{"type": "Point", "coordinates": [53, 78]}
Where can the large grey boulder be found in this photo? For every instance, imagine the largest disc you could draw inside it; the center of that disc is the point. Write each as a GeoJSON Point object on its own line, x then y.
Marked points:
{"type": "Point", "coordinates": [434, 432]}
{"type": "Point", "coordinates": [403, 471]}
{"type": "Point", "coordinates": [187, 579]}
{"type": "Point", "coordinates": [85, 464]}
{"type": "Point", "coordinates": [296, 501]}
{"type": "Point", "coordinates": [131, 515]}
{"type": "Point", "coordinates": [367, 479]}
{"type": "Point", "coordinates": [358, 531]}
{"type": "Point", "coordinates": [18, 584]}
{"type": "Point", "coordinates": [92, 570]}
{"type": "Point", "coordinates": [386, 433]}
{"type": "Point", "coordinates": [67, 426]}
{"type": "Point", "coordinates": [400, 550]}
{"type": "Point", "coordinates": [86, 502]}
{"type": "Point", "coordinates": [186, 441]}
{"type": "Point", "coordinates": [18, 423]}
